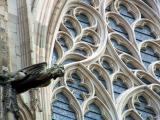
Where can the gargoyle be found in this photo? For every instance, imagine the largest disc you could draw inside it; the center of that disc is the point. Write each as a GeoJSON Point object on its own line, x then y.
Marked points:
{"type": "Point", "coordinates": [35, 76]}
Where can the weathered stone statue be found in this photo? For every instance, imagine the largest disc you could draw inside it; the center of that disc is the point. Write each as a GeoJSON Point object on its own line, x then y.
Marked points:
{"type": "Point", "coordinates": [12, 84]}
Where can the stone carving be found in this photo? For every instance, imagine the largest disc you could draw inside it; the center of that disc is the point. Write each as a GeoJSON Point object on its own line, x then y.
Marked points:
{"type": "Point", "coordinates": [15, 83]}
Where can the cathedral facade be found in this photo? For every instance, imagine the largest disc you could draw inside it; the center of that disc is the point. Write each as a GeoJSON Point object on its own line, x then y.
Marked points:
{"type": "Point", "coordinates": [110, 50]}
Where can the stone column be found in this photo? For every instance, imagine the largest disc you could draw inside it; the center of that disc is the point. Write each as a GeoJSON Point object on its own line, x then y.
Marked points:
{"type": "Point", "coordinates": [4, 50]}
{"type": "Point", "coordinates": [4, 56]}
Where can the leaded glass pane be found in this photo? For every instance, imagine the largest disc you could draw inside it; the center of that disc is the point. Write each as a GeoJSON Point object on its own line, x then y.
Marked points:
{"type": "Point", "coordinates": [144, 80]}
{"type": "Point", "coordinates": [120, 47]}
{"type": "Point", "coordinates": [127, 15]}
{"type": "Point", "coordinates": [88, 39]}
{"type": "Point", "coordinates": [119, 87]}
{"type": "Point", "coordinates": [94, 113]}
{"type": "Point", "coordinates": [112, 24]}
{"type": "Point", "coordinates": [54, 56]}
{"type": "Point", "coordinates": [81, 51]}
{"type": "Point", "coordinates": [107, 66]}
{"type": "Point", "coordinates": [70, 28]}
{"type": "Point", "coordinates": [83, 19]}
{"type": "Point", "coordinates": [144, 33]}
{"type": "Point", "coordinates": [63, 43]}
{"type": "Point", "coordinates": [61, 109]}
{"type": "Point", "coordinates": [87, 1]}
{"type": "Point", "coordinates": [148, 56]}
{"type": "Point", "coordinates": [131, 66]}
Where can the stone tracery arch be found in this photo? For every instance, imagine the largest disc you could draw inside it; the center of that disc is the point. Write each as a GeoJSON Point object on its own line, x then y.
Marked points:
{"type": "Point", "coordinates": [94, 54]}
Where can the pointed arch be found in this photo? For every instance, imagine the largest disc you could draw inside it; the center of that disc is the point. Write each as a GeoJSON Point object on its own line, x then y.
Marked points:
{"type": "Point", "coordinates": [105, 97]}
{"type": "Point", "coordinates": [122, 100]}
{"type": "Point", "coordinates": [71, 100]}
{"type": "Point", "coordinates": [104, 111]}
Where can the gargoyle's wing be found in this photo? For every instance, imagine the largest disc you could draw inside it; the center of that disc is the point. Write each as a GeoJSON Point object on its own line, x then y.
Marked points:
{"type": "Point", "coordinates": [34, 69]}
{"type": "Point", "coordinates": [31, 74]}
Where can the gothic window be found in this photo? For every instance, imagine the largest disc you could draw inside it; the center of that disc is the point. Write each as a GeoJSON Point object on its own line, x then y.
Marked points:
{"type": "Point", "coordinates": [61, 109]}
{"type": "Point", "coordinates": [118, 28]}
{"type": "Point", "coordinates": [144, 109]}
{"type": "Point", "coordinates": [128, 16]}
{"type": "Point", "coordinates": [119, 87]}
{"type": "Point", "coordinates": [98, 40]}
{"type": "Point", "coordinates": [144, 33]}
{"type": "Point", "coordinates": [93, 113]}
{"type": "Point", "coordinates": [148, 56]}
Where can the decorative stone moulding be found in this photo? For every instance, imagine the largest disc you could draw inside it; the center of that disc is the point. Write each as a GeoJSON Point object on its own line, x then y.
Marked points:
{"type": "Point", "coordinates": [101, 37]}
{"type": "Point", "coordinates": [82, 34]}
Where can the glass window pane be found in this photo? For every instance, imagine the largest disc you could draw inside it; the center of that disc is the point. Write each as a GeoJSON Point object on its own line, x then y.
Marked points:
{"type": "Point", "coordinates": [83, 19]}
{"type": "Point", "coordinates": [94, 113]}
{"type": "Point", "coordinates": [61, 109]}
{"type": "Point", "coordinates": [119, 87]}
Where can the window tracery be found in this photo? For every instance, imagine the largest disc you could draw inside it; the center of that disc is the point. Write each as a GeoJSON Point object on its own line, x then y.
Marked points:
{"type": "Point", "coordinates": [101, 41]}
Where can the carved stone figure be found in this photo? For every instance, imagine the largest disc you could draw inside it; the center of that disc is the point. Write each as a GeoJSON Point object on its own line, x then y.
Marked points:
{"type": "Point", "coordinates": [15, 83]}
{"type": "Point", "coordinates": [35, 76]}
